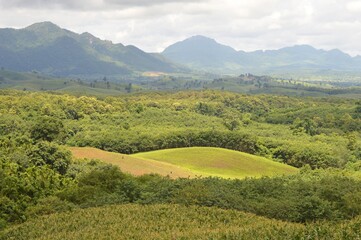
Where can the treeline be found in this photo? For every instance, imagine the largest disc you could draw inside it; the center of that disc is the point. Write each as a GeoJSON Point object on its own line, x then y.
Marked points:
{"type": "Point", "coordinates": [143, 143]}
{"type": "Point", "coordinates": [314, 155]}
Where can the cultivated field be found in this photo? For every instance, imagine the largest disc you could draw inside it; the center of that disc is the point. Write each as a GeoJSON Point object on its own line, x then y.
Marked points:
{"type": "Point", "coordinates": [131, 164]}
{"type": "Point", "coordinates": [190, 162]}
{"type": "Point", "coordinates": [172, 222]}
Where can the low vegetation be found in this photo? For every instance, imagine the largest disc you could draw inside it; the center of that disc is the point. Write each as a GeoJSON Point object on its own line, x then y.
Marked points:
{"type": "Point", "coordinates": [172, 222]}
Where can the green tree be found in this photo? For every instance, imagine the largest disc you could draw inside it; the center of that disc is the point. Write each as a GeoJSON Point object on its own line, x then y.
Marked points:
{"type": "Point", "coordinates": [47, 128]}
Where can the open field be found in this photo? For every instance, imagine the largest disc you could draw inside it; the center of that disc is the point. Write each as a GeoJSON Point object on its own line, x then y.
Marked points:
{"type": "Point", "coordinates": [208, 161]}
{"type": "Point", "coordinates": [130, 164]}
{"type": "Point", "coordinates": [171, 222]}
{"type": "Point", "coordinates": [189, 162]}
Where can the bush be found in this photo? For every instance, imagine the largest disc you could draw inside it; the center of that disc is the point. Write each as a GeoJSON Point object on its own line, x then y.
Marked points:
{"type": "Point", "coordinates": [49, 205]}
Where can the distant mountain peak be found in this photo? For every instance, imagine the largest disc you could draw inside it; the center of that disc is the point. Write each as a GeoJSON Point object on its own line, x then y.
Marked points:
{"type": "Point", "coordinates": [43, 26]}
{"type": "Point", "coordinates": [48, 48]}
{"type": "Point", "coordinates": [204, 53]}
{"type": "Point", "coordinates": [303, 46]}
{"type": "Point", "coordinates": [201, 37]}
{"type": "Point", "coordinates": [90, 37]}
{"type": "Point", "coordinates": [300, 47]}
{"type": "Point", "coordinates": [199, 41]}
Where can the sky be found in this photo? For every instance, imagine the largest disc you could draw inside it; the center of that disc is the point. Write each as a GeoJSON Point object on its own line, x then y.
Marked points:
{"type": "Point", "coordinates": [246, 25]}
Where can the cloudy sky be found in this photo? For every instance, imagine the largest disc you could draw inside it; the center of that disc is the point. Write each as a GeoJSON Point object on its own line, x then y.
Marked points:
{"type": "Point", "coordinates": [243, 24]}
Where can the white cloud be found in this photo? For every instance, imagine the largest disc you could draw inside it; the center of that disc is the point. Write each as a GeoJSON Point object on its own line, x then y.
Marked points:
{"type": "Point", "coordinates": [246, 25]}
{"type": "Point", "coordinates": [354, 6]}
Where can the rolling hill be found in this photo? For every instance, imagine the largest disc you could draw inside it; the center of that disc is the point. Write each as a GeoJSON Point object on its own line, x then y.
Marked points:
{"type": "Point", "coordinates": [132, 221]}
{"type": "Point", "coordinates": [47, 48]}
{"type": "Point", "coordinates": [219, 162]}
{"type": "Point", "coordinates": [131, 164]}
{"type": "Point", "coordinates": [190, 162]}
{"type": "Point", "coordinates": [205, 53]}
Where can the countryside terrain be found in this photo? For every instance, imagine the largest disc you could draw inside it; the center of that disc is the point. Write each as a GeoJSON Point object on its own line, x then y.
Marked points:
{"type": "Point", "coordinates": [105, 141]}
{"type": "Point", "coordinates": [293, 159]}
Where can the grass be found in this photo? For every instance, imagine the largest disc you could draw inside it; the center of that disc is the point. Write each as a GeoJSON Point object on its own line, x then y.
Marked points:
{"type": "Point", "coordinates": [171, 222]}
{"type": "Point", "coordinates": [219, 162]}
{"type": "Point", "coordinates": [189, 162]}
{"type": "Point", "coordinates": [131, 164]}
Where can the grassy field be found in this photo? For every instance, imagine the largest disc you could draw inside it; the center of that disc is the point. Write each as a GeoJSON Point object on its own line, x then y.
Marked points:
{"type": "Point", "coordinates": [172, 222]}
{"type": "Point", "coordinates": [130, 164]}
{"type": "Point", "coordinates": [207, 161]}
{"type": "Point", "coordinates": [190, 162]}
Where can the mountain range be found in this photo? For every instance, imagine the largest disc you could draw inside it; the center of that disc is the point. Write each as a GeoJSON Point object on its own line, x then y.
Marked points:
{"type": "Point", "coordinates": [205, 53]}
{"type": "Point", "coordinates": [49, 49]}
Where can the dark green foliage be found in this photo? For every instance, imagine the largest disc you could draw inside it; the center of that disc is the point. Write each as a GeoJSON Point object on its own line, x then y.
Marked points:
{"type": "Point", "coordinates": [314, 156]}
{"type": "Point", "coordinates": [100, 186]}
{"type": "Point", "coordinates": [20, 188]}
{"type": "Point", "coordinates": [49, 205]}
{"type": "Point", "coordinates": [10, 124]}
{"type": "Point", "coordinates": [309, 196]}
{"type": "Point", "coordinates": [47, 128]}
{"type": "Point", "coordinates": [307, 125]}
{"type": "Point", "coordinates": [46, 153]}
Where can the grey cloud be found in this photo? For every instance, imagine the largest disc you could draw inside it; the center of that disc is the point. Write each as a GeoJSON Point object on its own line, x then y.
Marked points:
{"type": "Point", "coordinates": [141, 3]}
{"type": "Point", "coordinates": [67, 4]}
{"type": "Point", "coordinates": [87, 4]}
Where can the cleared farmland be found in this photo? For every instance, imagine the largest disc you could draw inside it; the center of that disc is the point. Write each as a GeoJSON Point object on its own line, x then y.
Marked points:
{"type": "Point", "coordinates": [131, 164]}
{"type": "Point", "coordinates": [190, 162]}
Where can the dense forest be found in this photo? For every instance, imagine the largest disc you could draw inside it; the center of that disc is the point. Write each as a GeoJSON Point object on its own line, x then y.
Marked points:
{"type": "Point", "coordinates": [321, 136]}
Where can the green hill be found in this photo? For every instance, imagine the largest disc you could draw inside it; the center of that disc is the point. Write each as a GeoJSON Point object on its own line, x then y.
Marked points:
{"type": "Point", "coordinates": [171, 222]}
{"type": "Point", "coordinates": [47, 48]}
{"type": "Point", "coordinates": [219, 162]}
{"type": "Point", "coordinates": [130, 164]}
{"type": "Point", "coordinates": [189, 162]}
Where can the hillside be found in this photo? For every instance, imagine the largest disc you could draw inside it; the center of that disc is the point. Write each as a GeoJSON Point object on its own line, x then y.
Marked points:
{"type": "Point", "coordinates": [189, 162]}
{"type": "Point", "coordinates": [131, 164]}
{"type": "Point", "coordinates": [205, 53]}
{"type": "Point", "coordinates": [171, 222]}
{"type": "Point", "coordinates": [219, 162]}
{"type": "Point", "coordinates": [47, 48]}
